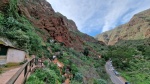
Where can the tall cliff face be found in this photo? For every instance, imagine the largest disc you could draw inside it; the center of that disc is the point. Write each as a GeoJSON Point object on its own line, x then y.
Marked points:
{"type": "Point", "coordinates": [53, 24]}
{"type": "Point", "coordinates": [137, 28]}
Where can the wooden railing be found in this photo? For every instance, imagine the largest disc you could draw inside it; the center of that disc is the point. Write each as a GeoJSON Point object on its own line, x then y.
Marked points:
{"type": "Point", "coordinates": [25, 70]}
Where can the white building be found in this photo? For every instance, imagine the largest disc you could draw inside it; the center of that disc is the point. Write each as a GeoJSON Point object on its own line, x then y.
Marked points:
{"type": "Point", "coordinates": [9, 54]}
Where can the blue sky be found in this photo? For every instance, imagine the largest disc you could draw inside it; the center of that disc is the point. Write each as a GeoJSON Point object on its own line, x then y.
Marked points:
{"type": "Point", "coordinates": [96, 16]}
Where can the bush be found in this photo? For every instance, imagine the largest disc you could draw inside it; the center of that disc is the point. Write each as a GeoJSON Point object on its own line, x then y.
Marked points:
{"type": "Point", "coordinates": [86, 52]}
{"type": "Point", "coordinates": [46, 63]}
{"type": "Point", "coordinates": [33, 79]}
{"type": "Point", "coordinates": [78, 77]}
{"type": "Point", "coordinates": [75, 82]}
{"type": "Point", "coordinates": [44, 76]}
{"type": "Point", "coordinates": [1, 18]}
{"type": "Point", "coordinates": [55, 68]}
{"type": "Point", "coordinates": [55, 47]}
{"type": "Point", "coordinates": [74, 69]}
{"type": "Point", "coordinates": [100, 81]}
{"type": "Point", "coordinates": [20, 37]}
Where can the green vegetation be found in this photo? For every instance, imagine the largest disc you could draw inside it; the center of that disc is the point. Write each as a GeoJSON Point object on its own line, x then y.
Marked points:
{"type": "Point", "coordinates": [43, 76]}
{"type": "Point", "coordinates": [86, 52]}
{"type": "Point", "coordinates": [19, 30]}
{"type": "Point", "coordinates": [78, 77]}
{"type": "Point", "coordinates": [12, 64]}
{"type": "Point", "coordinates": [79, 64]}
{"type": "Point", "coordinates": [100, 81]}
{"type": "Point", "coordinates": [131, 58]}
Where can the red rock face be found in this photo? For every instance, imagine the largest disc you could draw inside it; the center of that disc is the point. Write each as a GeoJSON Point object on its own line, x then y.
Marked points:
{"type": "Point", "coordinates": [69, 23]}
{"type": "Point", "coordinates": [55, 25]}
{"type": "Point", "coordinates": [52, 24]}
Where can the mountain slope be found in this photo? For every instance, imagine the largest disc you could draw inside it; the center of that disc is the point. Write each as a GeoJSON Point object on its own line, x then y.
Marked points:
{"type": "Point", "coordinates": [33, 25]}
{"type": "Point", "coordinates": [137, 28]}
{"type": "Point", "coordinates": [53, 24]}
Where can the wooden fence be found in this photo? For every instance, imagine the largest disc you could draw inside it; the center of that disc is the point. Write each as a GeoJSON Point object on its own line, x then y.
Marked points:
{"type": "Point", "coordinates": [27, 68]}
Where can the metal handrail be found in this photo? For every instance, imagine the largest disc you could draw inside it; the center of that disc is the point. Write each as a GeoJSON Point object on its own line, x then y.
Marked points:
{"type": "Point", "coordinates": [26, 71]}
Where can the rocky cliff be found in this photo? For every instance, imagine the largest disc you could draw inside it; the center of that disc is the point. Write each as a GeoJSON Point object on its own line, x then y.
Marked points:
{"type": "Point", "coordinates": [137, 28]}
{"type": "Point", "coordinates": [53, 24]}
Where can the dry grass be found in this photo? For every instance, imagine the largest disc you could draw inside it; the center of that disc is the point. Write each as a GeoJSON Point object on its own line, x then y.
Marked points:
{"type": "Point", "coordinates": [12, 64]}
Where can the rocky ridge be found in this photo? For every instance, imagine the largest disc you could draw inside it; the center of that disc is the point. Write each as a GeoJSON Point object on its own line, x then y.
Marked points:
{"type": "Point", "coordinates": [137, 28]}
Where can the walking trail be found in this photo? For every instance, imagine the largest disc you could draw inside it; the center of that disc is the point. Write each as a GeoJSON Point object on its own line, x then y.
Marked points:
{"type": "Point", "coordinates": [4, 77]}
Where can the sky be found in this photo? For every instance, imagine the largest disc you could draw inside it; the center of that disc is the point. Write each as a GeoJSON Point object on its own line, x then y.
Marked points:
{"type": "Point", "coordinates": [96, 16]}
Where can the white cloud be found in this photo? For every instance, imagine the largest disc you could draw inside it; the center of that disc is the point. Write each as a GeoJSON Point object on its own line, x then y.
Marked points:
{"type": "Point", "coordinates": [102, 15]}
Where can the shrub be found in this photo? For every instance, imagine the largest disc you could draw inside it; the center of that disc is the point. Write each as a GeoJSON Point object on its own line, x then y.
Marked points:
{"type": "Point", "coordinates": [75, 82]}
{"type": "Point", "coordinates": [86, 52]}
{"type": "Point", "coordinates": [74, 69]}
{"type": "Point", "coordinates": [140, 48]}
{"type": "Point", "coordinates": [78, 77]}
{"type": "Point", "coordinates": [20, 37]}
{"type": "Point", "coordinates": [56, 47]}
{"type": "Point", "coordinates": [43, 76]}
{"type": "Point", "coordinates": [1, 17]}
{"type": "Point", "coordinates": [55, 68]}
{"type": "Point", "coordinates": [100, 81]}
{"type": "Point", "coordinates": [46, 63]}
{"type": "Point", "coordinates": [33, 79]}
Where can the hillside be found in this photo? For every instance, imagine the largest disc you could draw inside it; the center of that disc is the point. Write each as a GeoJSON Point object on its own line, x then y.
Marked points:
{"type": "Point", "coordinates": [53, 24]}
{"type": "Point", "coordinates": [137, 28]}
{"type": "Point", "coordinates": [33, 26]}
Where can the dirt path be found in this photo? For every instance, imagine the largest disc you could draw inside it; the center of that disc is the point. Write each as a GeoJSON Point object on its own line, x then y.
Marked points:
{"type": "Point", "coordinates": [4, 77]}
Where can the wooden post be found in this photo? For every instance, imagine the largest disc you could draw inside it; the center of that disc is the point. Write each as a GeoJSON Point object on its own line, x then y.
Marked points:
{"type": "Point", "coordinates": [30, 67]}
{"type": "Point", "coordinates": [36, 61]}
{"type": "Point", "coordinates": [17, 74]}
{"type": "Point", "coordinates": [25, 70]}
